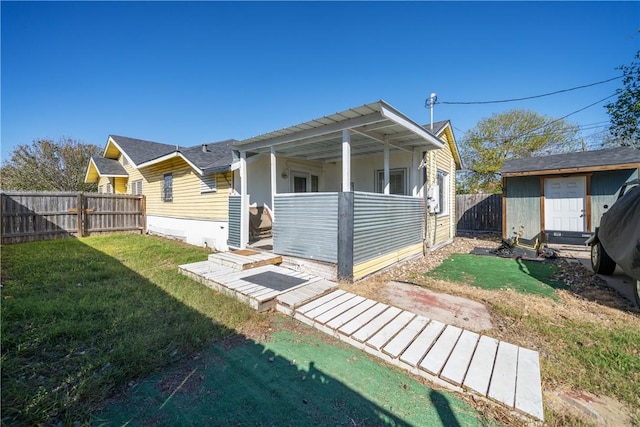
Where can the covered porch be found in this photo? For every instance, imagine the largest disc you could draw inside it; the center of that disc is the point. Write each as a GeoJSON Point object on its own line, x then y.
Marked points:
{"type": "Point", "coordinates": [346, 189]}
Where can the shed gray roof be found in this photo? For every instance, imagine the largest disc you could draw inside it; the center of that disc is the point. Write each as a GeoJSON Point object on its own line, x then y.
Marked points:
{"type": "Point", "coordinates": [109, 167]}
{"type": "Point", "coordinates": [572, 161]}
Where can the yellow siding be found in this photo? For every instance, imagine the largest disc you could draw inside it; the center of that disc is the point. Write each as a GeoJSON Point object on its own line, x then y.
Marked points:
{"type": "Point", "coordinates": [102, 183]}
{"type": "Point", "coordinates": [120, 185]}
{"type": "Point", "coordinates": [371, 266]}
{"type": "Point", "coordinates": [442, 225]}
{"type": "Point", "coordinates": [187, 202]}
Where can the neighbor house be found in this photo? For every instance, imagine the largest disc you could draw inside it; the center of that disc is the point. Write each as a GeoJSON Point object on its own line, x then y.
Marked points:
{"type": "Point", "coordinates": [561, 198]}
{"type": "Point", "coordinates": [186, 188]}
{"type": "Point", "coordinates": [355, 191]}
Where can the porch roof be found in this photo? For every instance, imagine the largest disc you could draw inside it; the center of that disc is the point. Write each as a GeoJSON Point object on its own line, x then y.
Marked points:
{"type": "Point", "coordinates": [371, 125]}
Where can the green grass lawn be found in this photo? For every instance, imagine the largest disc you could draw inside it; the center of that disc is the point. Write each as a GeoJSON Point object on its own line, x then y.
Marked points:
{"type": "Point", "coordinates": [86, 320]}
{"type": "Point", "coordinates": [488, 272]}
{"type": "Point", "coordinates": [80, 318]}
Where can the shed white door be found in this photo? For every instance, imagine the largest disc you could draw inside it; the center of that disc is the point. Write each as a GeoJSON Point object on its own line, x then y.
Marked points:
{"type": "Point", "coordinates": [564, 203]}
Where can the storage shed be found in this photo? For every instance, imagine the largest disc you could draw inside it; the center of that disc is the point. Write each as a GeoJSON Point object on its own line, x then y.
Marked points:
{"type": "Point", "coordinates": [560, 198]}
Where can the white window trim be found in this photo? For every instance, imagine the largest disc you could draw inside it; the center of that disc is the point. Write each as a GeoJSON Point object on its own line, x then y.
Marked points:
{"type": "Point", "coordinates": [164, 188]}
{"type": "Point", "coordinates": [134, 184]}
{"type": "Point", "coordinates": [298, 174]}
{"type": "Point", "coordinates": [380, 187]}
{"type": "Point", "coordinates": [445, 192]}
{"type": "Point", "coordinates": [209, 184]}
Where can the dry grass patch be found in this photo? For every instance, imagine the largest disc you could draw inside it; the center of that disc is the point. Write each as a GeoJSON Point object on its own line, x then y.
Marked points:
{"type": "Point", "coordinates": [588, 339]}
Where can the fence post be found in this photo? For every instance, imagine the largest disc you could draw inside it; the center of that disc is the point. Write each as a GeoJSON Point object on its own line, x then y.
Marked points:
{"type": "Point", "coordinates": [80, 205]}
{"type": "Point", "coordinates": [144, 214]}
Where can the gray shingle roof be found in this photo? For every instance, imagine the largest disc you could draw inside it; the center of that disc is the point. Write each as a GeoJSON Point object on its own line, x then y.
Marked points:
{"type": "Point", "coordinates": [584, 159]}
{"type": "Point", "coordinates": [141, 151]}
{"type": "Point", "coordinates": [217, 157]}
{"type": "Point", "coordinates": [437, 126]}
{"type": "Point", "coordinates": [108, 167]}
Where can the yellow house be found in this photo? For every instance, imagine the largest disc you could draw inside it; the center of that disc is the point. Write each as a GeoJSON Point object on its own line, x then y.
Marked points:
{"type": "Point", "coordinates": [358, 190]}
{"type": "Point", "coordinates": [441, 173]}
{"type": "Point", "coordinates": [186, 189]}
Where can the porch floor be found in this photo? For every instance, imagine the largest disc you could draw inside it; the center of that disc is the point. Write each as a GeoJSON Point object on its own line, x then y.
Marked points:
{"type": "Point", "coordinates": [450, 356]}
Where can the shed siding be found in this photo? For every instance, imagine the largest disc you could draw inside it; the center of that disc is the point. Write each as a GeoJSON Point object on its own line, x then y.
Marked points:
{"type": "Point", "coordinates": [604, 189]}
{"type": "Point", "coordinates": [523, 206]}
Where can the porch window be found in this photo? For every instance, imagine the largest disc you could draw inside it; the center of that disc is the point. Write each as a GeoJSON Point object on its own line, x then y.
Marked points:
{"type": "Point", "coordinates": [208, 184]}
{"type": "Point", "coordinates": [167, 188]}
{"type": "Point", "coordinates": [443, 183]}
{"type": "Point", "coordinates": [397, 181]}
{"type": "Point", "coordinates": [302, 182]}
{"type": "Point", "coordinates": [136, 187]}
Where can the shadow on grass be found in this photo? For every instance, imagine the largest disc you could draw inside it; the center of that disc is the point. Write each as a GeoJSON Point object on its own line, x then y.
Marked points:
{"type": "Point", "coordinates": [290, 380]}
{"type": "Point", "coordinates": [85, 320]}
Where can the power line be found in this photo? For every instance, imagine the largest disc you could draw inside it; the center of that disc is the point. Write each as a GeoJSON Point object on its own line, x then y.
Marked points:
{"type": "Point", "coordinates": [563, 117]}
{"type": "Point", "coordinates": [527, 97]}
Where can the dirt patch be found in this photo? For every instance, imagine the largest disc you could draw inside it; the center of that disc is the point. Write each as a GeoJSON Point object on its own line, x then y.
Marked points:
{"type": "Point", "coordinates": [450, 309]}
{"type": "Point", "coordinates": [597, 410]}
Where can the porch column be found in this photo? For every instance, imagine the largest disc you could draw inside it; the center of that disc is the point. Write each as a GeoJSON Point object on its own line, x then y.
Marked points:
{"type": "Point", "coordinates": [416, 172]}
{"type": "Point", "coordinates": [273, 180]}
{"type": "Point", "coordinates": [386, 166]}
{"type": "Point", "coordinates": [346, 160]}
{"type": "Point", "coordinates": [244, 202]}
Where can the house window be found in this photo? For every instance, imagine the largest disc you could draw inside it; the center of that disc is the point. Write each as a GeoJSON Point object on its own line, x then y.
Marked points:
{"type": "Point", "coordinates": [136, 187]}
{"type": "Point", "coordinates": [315, 183]}
{"type": "Point", "coordinates": [167, 188]}
{"type": "Point", "coordinates": [443, 183]}
{"type": "Point", "coordinates": [208, 184]}
{"type": "Point", "coordinates": [396, 181]}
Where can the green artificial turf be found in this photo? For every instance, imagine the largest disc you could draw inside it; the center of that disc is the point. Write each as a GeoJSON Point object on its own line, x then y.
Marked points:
{"type": "Point", "coordinates": [260, 384]}
{"type": "Point", "coordinates": [488, 272]}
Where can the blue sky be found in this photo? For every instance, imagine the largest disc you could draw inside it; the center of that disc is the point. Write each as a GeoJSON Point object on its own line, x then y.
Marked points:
{"type": "Point", "coordinates": [188, 73]}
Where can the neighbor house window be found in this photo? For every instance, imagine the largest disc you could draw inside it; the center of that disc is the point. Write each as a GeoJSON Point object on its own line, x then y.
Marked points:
{"type": "Point", "coordinates": [108, 188]}
{"type": "Point", "coordinates": [167, 188]}
{"type": "Point", "coordinates": [396, 181]}
{"type": "Point", "coordinates": [136, 187]}
{"type": "Point", "coordinates": [443, 183]}
{"type": "Point", "coordinates": [208, 184]}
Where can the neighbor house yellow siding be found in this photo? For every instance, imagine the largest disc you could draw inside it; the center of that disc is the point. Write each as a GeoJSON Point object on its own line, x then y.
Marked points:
{"type": "Point", "coordinates": [188, 201]}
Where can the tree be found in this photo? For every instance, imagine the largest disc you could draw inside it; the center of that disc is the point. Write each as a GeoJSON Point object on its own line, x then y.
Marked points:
{"type": "Point", "coordinates": [625, 111]}
{"type": "Point", "coordinates": [46, 165]}
{"type": "Point", "coordinates": [509, 135]}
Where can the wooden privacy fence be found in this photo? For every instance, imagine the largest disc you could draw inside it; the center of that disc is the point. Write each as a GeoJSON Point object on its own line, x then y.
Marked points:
{"type": "Point", "coordinates": [479, 212]}
{"type": "Point", "coordinates": [28, 216]}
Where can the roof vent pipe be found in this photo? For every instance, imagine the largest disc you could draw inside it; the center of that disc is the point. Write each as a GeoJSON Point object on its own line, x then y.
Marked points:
{"type": "Point", "coordinates": [204, 148]}
{"type": "Point", "coordinates": [432, 100]}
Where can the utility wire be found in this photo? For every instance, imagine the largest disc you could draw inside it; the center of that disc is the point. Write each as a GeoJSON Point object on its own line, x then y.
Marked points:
{"type": "Point", "coordinates": [528, 97]}
{"type": "Point", "coordinates": [563, 117]}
